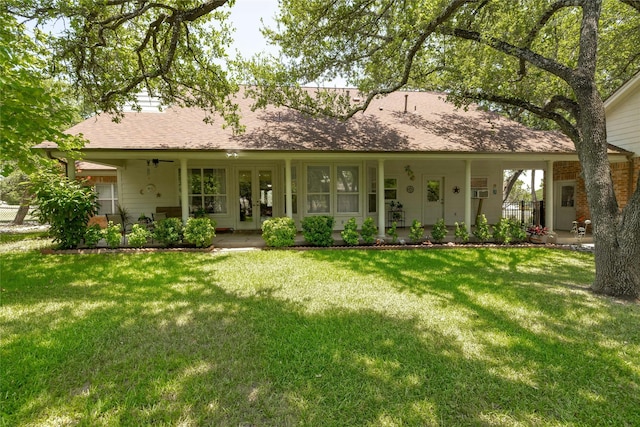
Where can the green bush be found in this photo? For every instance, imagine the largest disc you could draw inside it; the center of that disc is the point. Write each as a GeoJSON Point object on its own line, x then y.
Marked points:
{"type": "Point", "coordinates": [393, 232]}
{"type": "Point", "coordinates": [317, 230]}
{"type": "Point", "coordinates": [92, 235]}
{"type": "Point", "coordinates": [369, 231]}
{"type": "Point", "coordinates": [508, 230]}
{"type": "Point", "coordinates": [200, 231]}
{"type": "Point", "coordinates": [113, 235]}
{"type": "Point", "coordinates": [518, 233]}
{"type": "Point", "coordinates": [350, 233]}
{"type": "Point", "coordinates": [439, 231]}
{"type": "Point", "coordinates": [461, 233]}
{"type": "Point", "coordinates": [416, 232]}
{"type": "Point", "coordinates": [481, 231]}
{"type": "Point", "coordinates": [138, 236]}
{"type": "Point", "coordinates": [279, 232]}
{"type": "Point", "coordinates": [168, 231]}
{"type": "Point", "coordinates": [66, 206]}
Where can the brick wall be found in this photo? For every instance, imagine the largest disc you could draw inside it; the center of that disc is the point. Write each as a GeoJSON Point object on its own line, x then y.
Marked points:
{"type": "Point", "coordinates": [624, 176]}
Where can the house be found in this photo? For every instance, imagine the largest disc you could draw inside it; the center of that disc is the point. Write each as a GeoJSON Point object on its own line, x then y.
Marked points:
{"type": "Point", "coordinates": [411, 148]}
{"type": "Point", "coordinates": [622, 110]}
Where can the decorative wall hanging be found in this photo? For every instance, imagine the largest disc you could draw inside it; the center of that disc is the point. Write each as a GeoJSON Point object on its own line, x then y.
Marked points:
{"type": "Point", "coordinates": [410, 189]}
{"type": "Point", "coordinates": [456, 189]}
{"type": "Point", "coordinates": [409, 172]}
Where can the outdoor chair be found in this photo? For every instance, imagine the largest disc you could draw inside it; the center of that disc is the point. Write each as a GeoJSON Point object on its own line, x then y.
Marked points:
{"type": "Point", "coordinates": [159, 216]}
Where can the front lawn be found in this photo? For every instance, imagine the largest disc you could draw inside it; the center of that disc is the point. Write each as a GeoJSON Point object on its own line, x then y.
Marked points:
{"type": "Point", "coordinates": [499, 337]}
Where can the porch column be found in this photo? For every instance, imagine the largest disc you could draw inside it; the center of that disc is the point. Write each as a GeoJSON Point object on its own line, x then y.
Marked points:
{"type": "Point", "coordinates": [287, 187]}
{"type": "Point", "coordinates": [71, 169]}
{"type": "Point", "coordinates": [380, 193]}
{"type": "Point", "coordinates": [184, 194]}
{"type": "Point", "coordinates": [548, 196]}
{"type": "Point", "coordinates": [467, 194]}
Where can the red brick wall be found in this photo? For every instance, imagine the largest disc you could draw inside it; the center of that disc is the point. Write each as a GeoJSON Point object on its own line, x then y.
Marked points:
{"type": "Point", "coordinates": [624, 174]}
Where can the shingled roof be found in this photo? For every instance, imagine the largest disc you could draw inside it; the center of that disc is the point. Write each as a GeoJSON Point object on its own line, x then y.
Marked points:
{"type": "Point", "coordinates": [428, 125]}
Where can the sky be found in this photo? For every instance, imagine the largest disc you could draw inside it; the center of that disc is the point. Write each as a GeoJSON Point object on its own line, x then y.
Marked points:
{"type": "Point", "coordinates": [246, 16]}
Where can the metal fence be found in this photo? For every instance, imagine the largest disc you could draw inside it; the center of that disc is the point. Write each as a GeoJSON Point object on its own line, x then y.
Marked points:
{"type": "Point", "coordinates": [8, 214]}
{"type": "Point", "coordinates": [526, 212]}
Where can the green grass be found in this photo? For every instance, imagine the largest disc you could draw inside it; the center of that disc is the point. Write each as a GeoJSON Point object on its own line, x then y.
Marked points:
{"type": "Point", "coordinates": [505, 337]}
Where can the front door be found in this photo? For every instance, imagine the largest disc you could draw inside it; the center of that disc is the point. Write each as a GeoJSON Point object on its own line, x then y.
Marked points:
{"type": "Point", "coordinates": [565, 206]}
{"type": "Point", "coordinates": [255, 188]}
{"type": "Point", "coordinates": [433, 200]}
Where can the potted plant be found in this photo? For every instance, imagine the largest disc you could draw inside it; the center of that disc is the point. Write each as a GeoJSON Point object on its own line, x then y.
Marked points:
{"type": "Point", "coordinates": [537, 234]}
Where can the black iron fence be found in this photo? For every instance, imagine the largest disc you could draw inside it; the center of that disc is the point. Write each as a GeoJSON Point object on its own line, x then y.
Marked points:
{"type": "Point", "coordinates": [526, 212]}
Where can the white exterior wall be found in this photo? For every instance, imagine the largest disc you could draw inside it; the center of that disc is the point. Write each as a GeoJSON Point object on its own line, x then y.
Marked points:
{"type": "Point", "coordinates": [623, 118]}
{"type": "Point", "coordinates": [134, 194]}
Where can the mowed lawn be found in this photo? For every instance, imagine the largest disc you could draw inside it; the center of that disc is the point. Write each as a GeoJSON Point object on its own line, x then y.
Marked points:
{"type": "Point", "coordinates": [492, 337]}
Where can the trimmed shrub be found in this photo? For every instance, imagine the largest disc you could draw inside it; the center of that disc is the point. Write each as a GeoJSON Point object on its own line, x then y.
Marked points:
{"type": "Point", "coordinates": [501, 231]}
{"type": "Point", "coordinates": [518, 233]}
{"type": "Point", "coordinates": [481, 231]}
{"type": "Point", "coordinates": [393, 232]}
{"type": "Point", "coordinates": [168, 231]}
{"type": "Point", "coordinates": [439, 231]}
{"type": "Point", "coordinates": [317, 230]}
{"type": "Point", "coordinates": [66, 206]}
{"type": "Point", "coordinates": [200, 231]}
{"type": "Point", "coordinates": [92, 235]}
{"type": "Point", "coordinates": [279, 232]}
{"type": "Point", "coordinates": [113, 235]}
{"type": "Point", "coordinates": [461, 232]}
{"type": "Point", "coordinates": [350, 233]}
{"type": "Point", "coordinates": [138, 236]}
{"type": "Point", "coordinates": [416, 232]}
{"type": "Point", "coordinates": [369, 231]}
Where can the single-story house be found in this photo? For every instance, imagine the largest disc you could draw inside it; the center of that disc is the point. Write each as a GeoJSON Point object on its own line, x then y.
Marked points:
{"type": "Point", "coordinates": [411, 148]}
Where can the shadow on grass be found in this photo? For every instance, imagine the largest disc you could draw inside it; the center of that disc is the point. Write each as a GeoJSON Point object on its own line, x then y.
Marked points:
{"type": "Point", "coordinates": [166, 339]}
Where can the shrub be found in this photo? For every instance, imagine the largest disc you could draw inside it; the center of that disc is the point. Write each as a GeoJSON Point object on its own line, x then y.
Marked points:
{"type": "Point", "coordinates": [200, 231]}
{"type": "Point", "coordinates": [66, 205]}
{"type": "Point", "coordinates": [461, 232]}
{"type": "Point", "coordinates": [317, 230]}
{"type": "Point", "coordinates": [368, 231]}
{"type": "Point", "coordinates": [279, 232]}
{"type": "Point", "coordinates": [393, 232]}
{"type": "Point", "coordinates": [482, 229]}
{"type": "Point", "coordinates": [92, 235]}
{"type": "Point", "coordinates": [113, 235]}
{"type": "Point", "coordinates": [501, 231]}
{"type": "Point", "coordinates": [439, 231]}
{"type": "Point", "coordinates": [350, 233]}
{"type": "Point", "coordinates": [138, 236]}
{"type": "Point", "coordinates": [168, 231]}
{"type": "Point", "coordinates": [416, 231]}
{"type": "Point", "coordinates": [518, 234]}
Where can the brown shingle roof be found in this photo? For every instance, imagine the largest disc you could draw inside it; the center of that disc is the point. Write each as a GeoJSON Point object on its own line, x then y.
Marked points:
{"type": "Point", "coordinates": [429, 125]}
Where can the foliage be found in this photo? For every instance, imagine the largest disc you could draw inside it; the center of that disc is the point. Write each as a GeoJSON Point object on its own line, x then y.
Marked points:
{"type": "Point", "coordinates": [279, 232]}
{"type": "Point", "coordinates": [368, 231]}
{"type": "Point", "coordinates": [350, 233]}
{"type": "Point", "coordinates": [481, 232]}
{"type": "Point", "coordinates": [66, 205]}
{"type": "Point", "coordinates": [537, 230]}
{"type": "Point", "coordinates": [138, 236]}
{"type": "Point", "coordinates": [318, 230]}
{"type": "Point", "coordinates": [92, 235]}
{"type": "Point", "coordinates": [501, 231]}
{"type": "Point", "coordinates": [416, 232]}
{"type": "Point", "coordinates": [200, 231]}
{"type": "Point", "coordinates": [168, 231]}
{"type": "Point", "coordinates": [113, 235]}
{"type": "Point", "coordinates": [461, 232]}
{"type": "Point", "coordinates": [13, 186]}
{"type": "Point", "coordinates": [393, 232]}
{"type": "Point", "coordinates": [439, 231]}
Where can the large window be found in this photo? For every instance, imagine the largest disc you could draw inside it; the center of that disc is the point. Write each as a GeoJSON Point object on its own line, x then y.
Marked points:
{"type": "Point", "coordinates": [348, 188]}
{"type": "Point", "coordinates": [318, 189]}
{"type": "Point", "coordinates": [208, 190]}
{"type": "Point", "coordinates": [107, 198]}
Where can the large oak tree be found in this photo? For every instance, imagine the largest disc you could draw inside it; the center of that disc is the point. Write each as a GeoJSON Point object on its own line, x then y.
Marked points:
{"type": "Point", "coordinates": [546, 62]}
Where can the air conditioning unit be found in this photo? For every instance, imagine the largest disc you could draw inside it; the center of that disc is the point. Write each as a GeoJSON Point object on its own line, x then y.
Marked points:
{"type": "Point", "coordinates": [479, 193]}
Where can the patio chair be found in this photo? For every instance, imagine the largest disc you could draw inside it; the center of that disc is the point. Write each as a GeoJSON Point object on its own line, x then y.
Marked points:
{"type": "Point", "coordinates": [159, 216]}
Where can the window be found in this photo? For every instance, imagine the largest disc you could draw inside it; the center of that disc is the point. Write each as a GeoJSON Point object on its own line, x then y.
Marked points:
{"type": "Point", "coordinates": [208, 190]}
{"type": "Point", "coordinates": [348, 188]}
{"type": "Point", "coordinates": [390, 188]}
{"type": "Point", "coordinates": [318, 189]}
{"type": "Point", "coordinates": [107, 198]}
{"type": "Point", "coordinates": [567, 196]}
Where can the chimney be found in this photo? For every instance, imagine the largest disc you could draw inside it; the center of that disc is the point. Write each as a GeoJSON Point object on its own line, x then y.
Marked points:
{"type": "Point", "coordinates": [406, 99]}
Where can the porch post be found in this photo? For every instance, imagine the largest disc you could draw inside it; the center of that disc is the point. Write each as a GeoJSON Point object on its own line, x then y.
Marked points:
{"type": "Point", "coordinates": [380, 193]}
{"type": "Point", "coordinates": [184, 194]}
{"type": "Point", "coordinates": [467, 194]}
{"type": "Point", "coordinates": [548, 196]}
{"type": "Point", "coordinates": [287, 185]}
{"type": "Point", "coordinates": [71, 169]}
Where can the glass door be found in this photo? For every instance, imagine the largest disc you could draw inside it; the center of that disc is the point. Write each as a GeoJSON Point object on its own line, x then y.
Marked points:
{"type": "Point", "coordinates": [255, 190]}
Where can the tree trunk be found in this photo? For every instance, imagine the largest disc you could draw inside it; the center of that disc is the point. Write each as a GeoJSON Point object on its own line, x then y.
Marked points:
{"type": "Point", "coordinates": [25, 201]}
{"type": "Point", "coordinates": [511, 181]}
{"type": "Point", "coordinates": [615, 233]}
